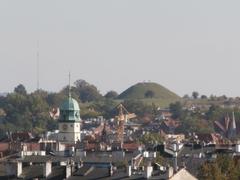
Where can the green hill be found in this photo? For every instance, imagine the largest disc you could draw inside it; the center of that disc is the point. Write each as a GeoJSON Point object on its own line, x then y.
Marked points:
{"type": "Point", "coordinates": [150, 93]}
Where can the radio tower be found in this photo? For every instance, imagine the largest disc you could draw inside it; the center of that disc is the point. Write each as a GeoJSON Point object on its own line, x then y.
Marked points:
{"type": "Point", "coordinates": [37, 65]}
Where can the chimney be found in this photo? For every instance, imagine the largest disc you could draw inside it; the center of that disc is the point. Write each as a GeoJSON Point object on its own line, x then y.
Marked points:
{"type": "Point", "coordinates": [170, 172]}
{"type": "Point", "coordinates": [19, 168]}
{"type": "Point", "coordinates": [79, 164]}
{"type": "Point", "coordinates": [149, 170]}
{"type": "Point", "coordinates": [110, 170]}
{"type": "Point", "coordinates": [129, 170]}
{"type": "Point", "coordinates": [47, 169]}
{"type": "Point", "coordinates": [24, 148]}
{"type": "Point", "coordinates": [68, 171]}
{"type": "Point", "coordinates": [175, 164]}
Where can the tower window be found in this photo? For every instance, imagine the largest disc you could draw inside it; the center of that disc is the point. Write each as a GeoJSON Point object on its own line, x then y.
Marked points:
{"type": "Point", "coordinates": [76, 114]}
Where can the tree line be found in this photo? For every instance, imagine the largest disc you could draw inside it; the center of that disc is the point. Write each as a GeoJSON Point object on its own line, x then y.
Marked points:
{"type": "Point", "coordinates": [23, 111]}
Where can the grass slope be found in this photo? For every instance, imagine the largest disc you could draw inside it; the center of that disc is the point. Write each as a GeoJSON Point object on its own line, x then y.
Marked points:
{"type": "Point", "coordinates": [162, 96]}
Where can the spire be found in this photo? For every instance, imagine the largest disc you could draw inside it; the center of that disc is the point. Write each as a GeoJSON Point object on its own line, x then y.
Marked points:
{"type": "Point", "coordinates": [233, 121]}
{"type": "Point", "coordinates": [227, 122]}
{"type": "Point", "coordinates": [232, 129]}
{"type": "Point", "coordinates": [69, 85]}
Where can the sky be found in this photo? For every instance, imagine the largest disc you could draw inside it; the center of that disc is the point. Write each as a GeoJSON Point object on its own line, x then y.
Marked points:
{"type": "Point", "coordinates": [183, 45]}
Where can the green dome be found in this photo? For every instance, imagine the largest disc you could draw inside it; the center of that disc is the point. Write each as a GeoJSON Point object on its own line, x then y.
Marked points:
{"type": "Point", "coordinates": [69, 110]}
{"type": "Point", "coordinates": [70, 104]}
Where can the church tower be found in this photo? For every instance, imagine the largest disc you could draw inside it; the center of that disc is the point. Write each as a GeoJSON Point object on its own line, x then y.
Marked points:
{"type": "Point", "coordinates": [69, 121]}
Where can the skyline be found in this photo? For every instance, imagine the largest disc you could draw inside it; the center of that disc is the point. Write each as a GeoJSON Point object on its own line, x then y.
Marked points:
{"type": "Point", "coordinates": [185, 46]}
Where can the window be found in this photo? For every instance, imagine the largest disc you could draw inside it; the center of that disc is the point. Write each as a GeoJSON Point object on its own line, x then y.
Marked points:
{"type": "Point", "coordinates": [76, 114]}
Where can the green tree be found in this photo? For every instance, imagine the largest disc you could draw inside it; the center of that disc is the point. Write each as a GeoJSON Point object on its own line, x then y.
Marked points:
{"type": "Point", "coordinates": [176, 110]}
{"type": "Point", "coordinates": [194, 123]}
{"type": "Point", "coordinates": [195, 94]}
{"type": "Point", "coordinates": [90, 93]}
{"type": "Point", "coordinates": [152, 138]}
{"type": "Point", "coordinates": [111, 95]}
{"type": "Point", "coordinates": [105, 108]}
{"type": "Point", "coordinates": [224, 167]}
{"type": "Point", "coordinates": [138, 107]}
{"type": "Point", "coordinates": [215, 113]}
{"type": "Point", "coordinates": [55, 99]}
{"type": "Point", "coordinates": [87, 92]}
{"type": "Point", "coordinates": [203, 97]}
{"type": "Point", "coordinates": [20, 89]}
{"type": "Point", "coordinates": [26, 112]}
{"type": "Point", "coordinates": [80, 83]}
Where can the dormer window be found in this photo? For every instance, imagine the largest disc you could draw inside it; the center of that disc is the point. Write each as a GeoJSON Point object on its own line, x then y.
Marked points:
{"type": "Point", "coordinates": [76, 115]}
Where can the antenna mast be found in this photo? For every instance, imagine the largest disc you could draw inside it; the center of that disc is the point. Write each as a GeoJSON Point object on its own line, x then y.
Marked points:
{"type": "Point", "coordinates": [69, 86]}
{"type": "Point", "coordinates": [37, 65]}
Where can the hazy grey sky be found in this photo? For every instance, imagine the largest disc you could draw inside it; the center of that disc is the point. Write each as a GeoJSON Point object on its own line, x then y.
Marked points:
{"type": "Point", "coordinates": [183, 45]}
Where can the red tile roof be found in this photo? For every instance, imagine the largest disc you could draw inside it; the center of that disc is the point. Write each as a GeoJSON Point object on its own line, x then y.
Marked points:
{"type": "Point", "coordinates": [131, 146]}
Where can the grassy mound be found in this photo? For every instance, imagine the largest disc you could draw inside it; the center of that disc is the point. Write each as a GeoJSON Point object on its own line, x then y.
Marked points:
{"type": "Point", "coordinates": [150, 93]}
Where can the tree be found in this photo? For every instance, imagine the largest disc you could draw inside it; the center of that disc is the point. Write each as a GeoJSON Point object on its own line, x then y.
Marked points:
{"type": "Point", "coordinates": [55, 99]}
{"type": "Point", "coordinates": [80, 83]}
{"type": "Point", "coordinates": [193, 123]}
{"type": "Point", "coordinates": [63, 94]}
{"type": "Point", "coordinates": [137, 107]}
{"type": "Point", "coordinates": [149, 94]}
{"type": "Point", "coordinates": [111, 95]}
{"type": "Point", "coordinates": [26, 112]}
{"type": "Point", "coordinates": [224, 167]}
{"type": "Point", "coordinates": [210, 172]}
{"type": "Point", "coordinates": [186, 96]}
{"type": "Point", "coordinates": [203, 97]}
{"type": "Point", "coordinates": [105, 108]}
{"type": "Point", "coordinates": [87, 92]}
{"type": "Point", "coordinates": [20, 89]}
{"type": "Point", "coordinates": [214, 113]}
{"type": "Point", "coordinates": [195, 94]}
{"type": "Point", "coordinates": [176, 110]}
{"type": "Point", "coordinates": [152, 138]}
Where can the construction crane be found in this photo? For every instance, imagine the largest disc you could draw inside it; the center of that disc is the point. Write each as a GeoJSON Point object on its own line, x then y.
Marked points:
{"type": "Point", "coordinates": [122, 118]}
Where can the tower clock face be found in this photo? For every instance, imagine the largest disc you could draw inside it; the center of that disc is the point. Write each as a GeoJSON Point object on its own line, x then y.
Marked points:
{"type": "Point", "coordinates": [65, 126]}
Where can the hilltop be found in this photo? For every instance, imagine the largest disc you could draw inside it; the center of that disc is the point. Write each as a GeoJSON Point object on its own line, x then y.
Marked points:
{"type": "Point", "coordinates": [150, 92]}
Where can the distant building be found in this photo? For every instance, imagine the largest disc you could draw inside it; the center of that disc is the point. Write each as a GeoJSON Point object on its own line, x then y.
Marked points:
{"type": "Point", "coordinates": [169, 125]}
